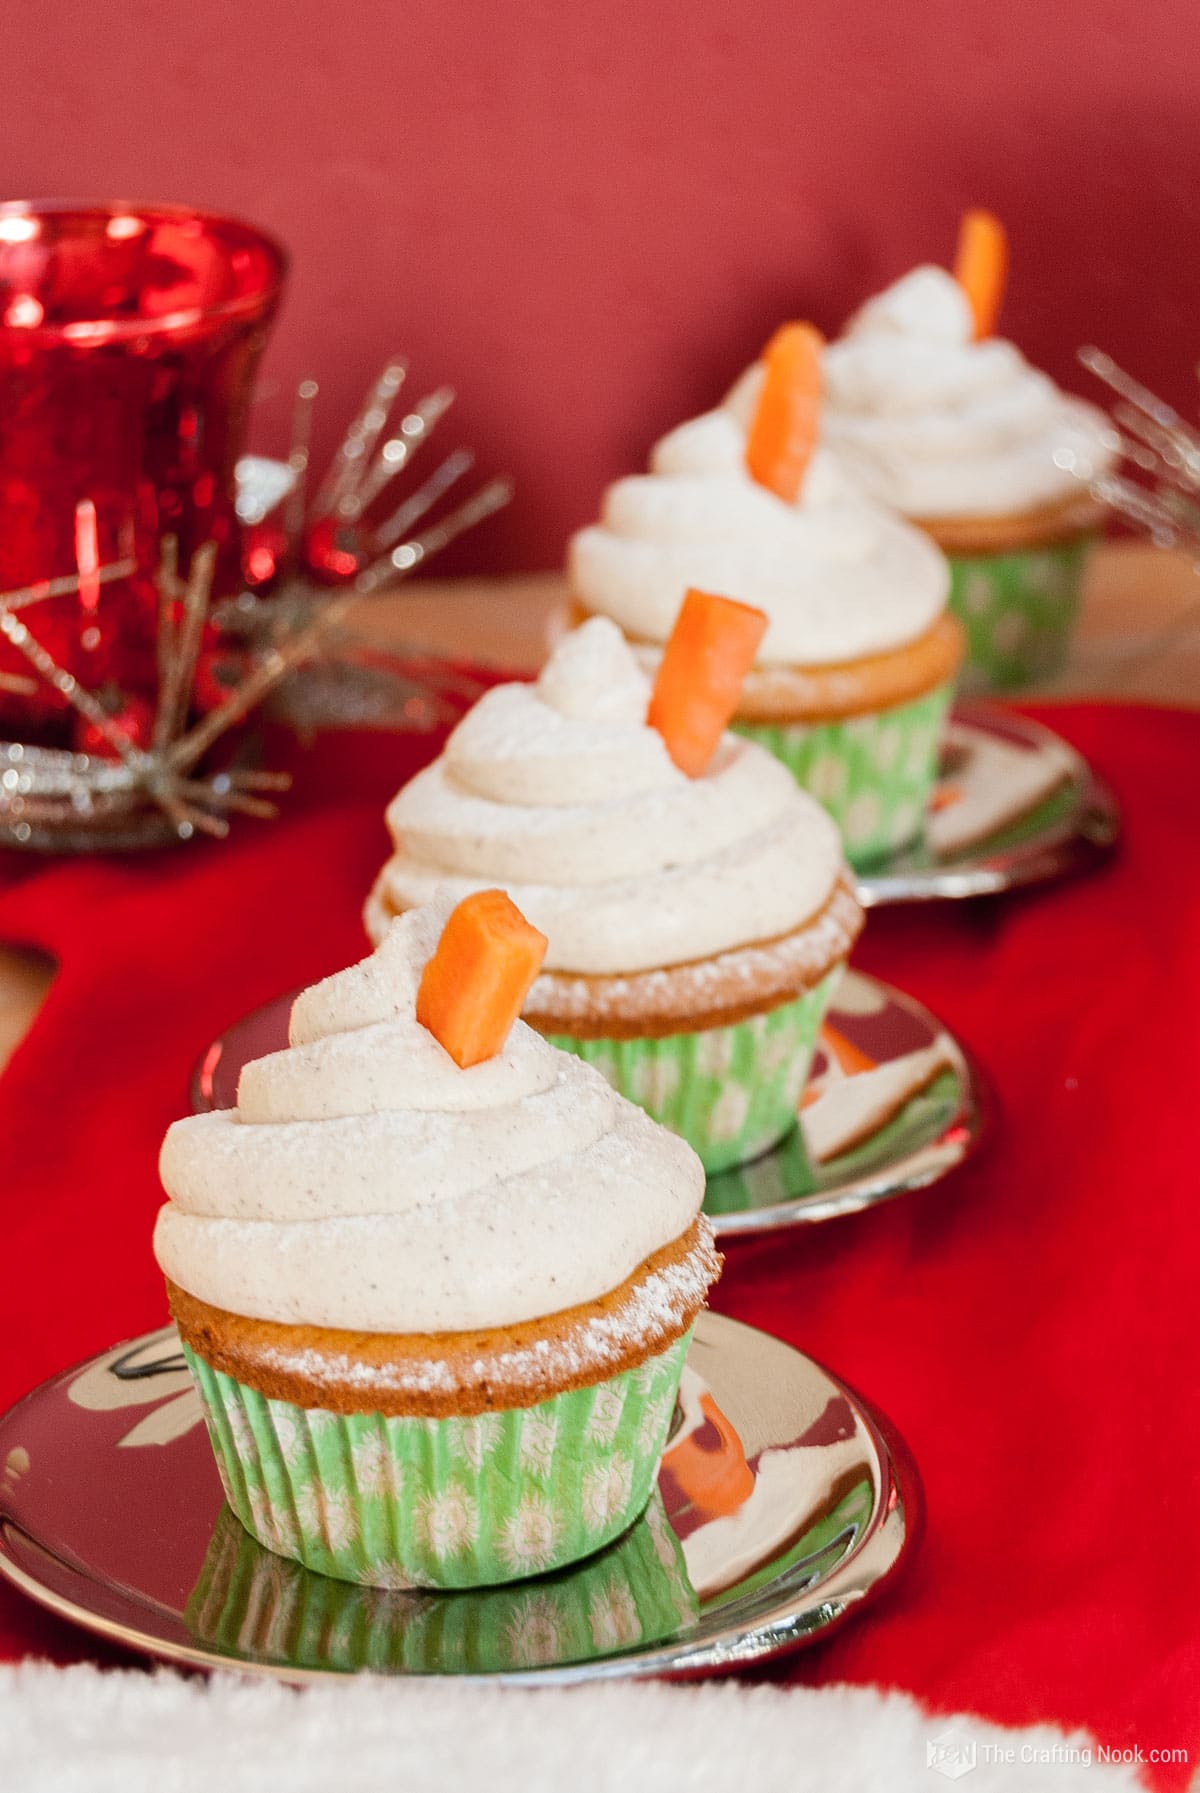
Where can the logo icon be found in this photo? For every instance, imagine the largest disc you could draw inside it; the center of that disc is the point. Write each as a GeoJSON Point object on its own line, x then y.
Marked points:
{"type": "Point", "coordinates": [951, 1753]}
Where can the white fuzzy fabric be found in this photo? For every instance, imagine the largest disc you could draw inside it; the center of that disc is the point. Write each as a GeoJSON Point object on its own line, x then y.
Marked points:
{"type": "Point", "coordinates": [81, 1730]}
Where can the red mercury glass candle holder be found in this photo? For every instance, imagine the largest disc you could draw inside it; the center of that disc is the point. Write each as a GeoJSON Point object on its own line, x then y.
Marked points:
{"type": "Point", "coordinates": [129, 339]}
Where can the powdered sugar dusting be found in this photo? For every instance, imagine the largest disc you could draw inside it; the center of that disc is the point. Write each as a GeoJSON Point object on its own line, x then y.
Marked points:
{"type": "Point", "coordinates": [682, 994]}
{"type": "Point", "coordinates": [657, 1308]}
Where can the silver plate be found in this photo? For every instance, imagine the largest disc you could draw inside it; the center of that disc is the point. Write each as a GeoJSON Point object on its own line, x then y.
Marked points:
{"type": "Point", "coordinates": [112, 1515]}
{"type": "Point", "coordinates": [934, 1131]}
{"type": "Point", "coordinates": [1069, 830]}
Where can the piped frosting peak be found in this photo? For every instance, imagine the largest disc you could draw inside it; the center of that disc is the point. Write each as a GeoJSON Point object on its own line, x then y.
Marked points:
{"type": "Point", "coordinates": [365, 1182]}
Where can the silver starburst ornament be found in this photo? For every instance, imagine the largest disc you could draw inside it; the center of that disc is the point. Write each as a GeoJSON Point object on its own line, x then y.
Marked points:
{"type": "Point", "coordinates": [358, 537]}
{"type": "Point", "coordinates": [1155, 484]}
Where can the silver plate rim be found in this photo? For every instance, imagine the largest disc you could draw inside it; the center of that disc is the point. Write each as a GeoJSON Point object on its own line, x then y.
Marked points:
{"type": "Point", "coordinates": [1088, 831]}
{"type": "Point", "coordinates": [896, 1525]}
{"type": "Point", "coordinates": [964, 1133]}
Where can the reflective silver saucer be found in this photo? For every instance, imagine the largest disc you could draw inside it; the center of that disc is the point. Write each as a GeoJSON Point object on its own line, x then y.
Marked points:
{"type": "Point", "coordinates": [1074, 825]}
{"type": "Point", "coordinates": [931, 1133]}
{"type": "Point", "coordinates": [788, 1508]}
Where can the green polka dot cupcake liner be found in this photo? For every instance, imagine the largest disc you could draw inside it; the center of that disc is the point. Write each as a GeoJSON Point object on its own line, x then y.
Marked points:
{"type": "Point", "coordinates": [1018, 611]}
{"type": "Point", "coordinates": [874, 774]}
{"type": "Point", "coordinates": [731, 1091]}
{"type": "Point", "coordinates": [634, 1593]}
{"type": "Point", "coordinates": [461, 1502]}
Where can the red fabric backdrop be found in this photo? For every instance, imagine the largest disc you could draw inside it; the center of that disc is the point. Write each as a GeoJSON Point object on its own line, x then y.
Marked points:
{"type": "Point", "coordinates": [1029, 1325]}
{"type": "Point", "coordinates": [589, 217]}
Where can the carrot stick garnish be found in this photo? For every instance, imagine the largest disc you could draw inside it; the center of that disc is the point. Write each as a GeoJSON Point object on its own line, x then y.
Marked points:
{"type": "Point", "coordinates": [788, 416]}
{"type": "Point", "coordinates": [472, 989]}
{"type": "Point", "coordinates": [981, 267]}
{"type": "Point", "coordinates": [711, 649]}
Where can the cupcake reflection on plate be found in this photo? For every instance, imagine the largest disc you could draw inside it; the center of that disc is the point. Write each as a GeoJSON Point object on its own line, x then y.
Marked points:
{"type": "Point", "coordinates": [249, 1601]}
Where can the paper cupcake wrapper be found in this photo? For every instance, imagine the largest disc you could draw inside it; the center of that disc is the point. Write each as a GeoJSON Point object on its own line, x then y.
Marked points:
{"type": "Point", "coordinates": [449, 1503]}
{"type": "Point", "coordinates": [730, 1091]}
{"type": "Point", "coordinates": [874, 774]}
{"type": "Point", "coordinates": [1018, 611]}
{"type": "Point", "coordinates": [249, 1600]}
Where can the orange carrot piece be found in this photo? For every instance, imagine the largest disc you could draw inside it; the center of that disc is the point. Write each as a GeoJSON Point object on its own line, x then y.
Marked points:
{"type": "Point", "coordinates": [945, 797]}
{"type": "Point", "coordinates": [981, 267]}
{"type": "Point", "coordinates": [711, 649]}
{"type": "Point", "coordinates": [851, 1059]}
{"type": "Point", "coordinates": [784, 431]}
{"type": "Point", "coordinates": [472, 989]}
{"type": "Point", "coordinates": [715, 1478]}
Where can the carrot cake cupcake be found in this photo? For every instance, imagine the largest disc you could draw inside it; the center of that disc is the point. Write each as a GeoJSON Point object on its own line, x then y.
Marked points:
{"type": "Point", "coordinates": [435, 1287]}
{"type": "Point", "coordinates": [950, 425]}
{"type": "Point", "coordinates": [856, 669]}
{"type": "Point", "coordinates": [697, 921]}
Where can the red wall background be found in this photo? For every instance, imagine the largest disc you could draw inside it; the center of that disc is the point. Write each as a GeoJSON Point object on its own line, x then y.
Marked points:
{"type": "Point", "coordinates": [588, 216]}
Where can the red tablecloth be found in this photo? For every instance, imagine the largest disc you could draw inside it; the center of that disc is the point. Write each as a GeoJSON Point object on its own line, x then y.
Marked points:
{"type": "Point", "coordinates": [1030, 1325]}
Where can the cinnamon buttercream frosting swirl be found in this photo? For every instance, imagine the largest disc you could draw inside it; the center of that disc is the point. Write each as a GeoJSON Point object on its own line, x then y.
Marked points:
{"type": "Point", "coordinates": [561, 793]}
{"type": "Point", "coordinates": [839, 577]}
{"type": "Point", "coordinates": [365, 1182]}
{"type": "Point", "coordinates": [941, 426]}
